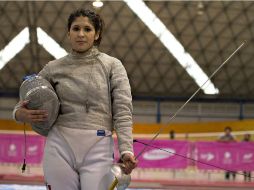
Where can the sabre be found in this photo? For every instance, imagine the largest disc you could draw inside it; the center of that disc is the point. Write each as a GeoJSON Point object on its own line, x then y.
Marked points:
{"type": "Point", "coordinates": [119, 174]}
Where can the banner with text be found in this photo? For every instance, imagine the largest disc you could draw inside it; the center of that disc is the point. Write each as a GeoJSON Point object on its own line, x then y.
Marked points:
{"type": "Point", "coordinates": [12, 148]}
{"type": "Point", "coordinates": [235, 156]}
{"type": "Point", "coordinates": [163, 154]}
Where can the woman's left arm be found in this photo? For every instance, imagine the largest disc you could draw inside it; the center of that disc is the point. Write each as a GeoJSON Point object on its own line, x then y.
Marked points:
{"type": "Point", "coordinates": [122, 114]}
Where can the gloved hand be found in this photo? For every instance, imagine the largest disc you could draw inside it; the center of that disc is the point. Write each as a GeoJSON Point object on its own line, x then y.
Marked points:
{"type": "Point", "coordinates": [128, 163]}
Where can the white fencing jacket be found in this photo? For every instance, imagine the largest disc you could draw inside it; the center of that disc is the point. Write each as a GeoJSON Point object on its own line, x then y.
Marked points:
{"type": "Point", "coordinates": [94, 93]}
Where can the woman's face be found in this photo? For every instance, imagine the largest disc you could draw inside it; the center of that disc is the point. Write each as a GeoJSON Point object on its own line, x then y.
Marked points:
{"type": "Point", "coordinates": [82, 34]}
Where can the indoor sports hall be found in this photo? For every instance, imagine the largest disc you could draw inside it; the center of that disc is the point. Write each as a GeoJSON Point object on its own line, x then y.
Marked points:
{"type": "Point", "coordinates": [190, 66]}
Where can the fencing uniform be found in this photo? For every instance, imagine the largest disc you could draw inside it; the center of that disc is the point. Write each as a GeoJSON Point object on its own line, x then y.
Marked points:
{"type": "Point", "coordinates": [95, 99]}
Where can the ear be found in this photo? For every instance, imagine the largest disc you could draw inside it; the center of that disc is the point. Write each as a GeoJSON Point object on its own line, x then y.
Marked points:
{"type": "Point", "coordinates": [97, 35]}
{"type": "Point", "coordinates": [68, 34]}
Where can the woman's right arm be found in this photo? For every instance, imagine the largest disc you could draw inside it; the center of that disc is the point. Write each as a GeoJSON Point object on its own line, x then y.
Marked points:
{"type": "Point", "coordinates": [22, 114]}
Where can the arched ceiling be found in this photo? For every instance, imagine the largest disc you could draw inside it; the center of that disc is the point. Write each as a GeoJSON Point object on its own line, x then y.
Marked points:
{"type": "Point", "coordinates": [209, 30]}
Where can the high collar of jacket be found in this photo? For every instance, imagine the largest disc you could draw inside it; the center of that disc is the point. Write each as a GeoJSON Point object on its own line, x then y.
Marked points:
{"type": "Point", "coordinates": [91, 53]}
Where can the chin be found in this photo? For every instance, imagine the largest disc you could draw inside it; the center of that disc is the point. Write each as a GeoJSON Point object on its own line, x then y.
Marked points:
{"type": "Point", "coordinates": [81, 50]}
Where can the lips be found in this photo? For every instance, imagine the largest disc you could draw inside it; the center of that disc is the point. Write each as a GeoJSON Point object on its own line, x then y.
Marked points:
{"type": "Point", "coordinates": [80, 43]}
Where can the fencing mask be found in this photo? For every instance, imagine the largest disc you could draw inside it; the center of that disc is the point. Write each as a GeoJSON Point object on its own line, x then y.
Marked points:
{"type": "Point", "coordinates": [41, 96]}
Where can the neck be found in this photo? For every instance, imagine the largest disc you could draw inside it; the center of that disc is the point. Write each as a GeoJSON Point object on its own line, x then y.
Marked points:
{"type": "Point", "coordinates": [81, 54]}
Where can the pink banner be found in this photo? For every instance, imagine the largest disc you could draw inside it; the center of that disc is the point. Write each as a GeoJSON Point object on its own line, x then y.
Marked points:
{"type": "Point", "coordinates": [12, 148]}
{"type": "Point", "coordinates": [230, 156]}
{"type": "Point", "coordinates": [164, 153]}
{"type": "Point", "coordinates": [166, 158]}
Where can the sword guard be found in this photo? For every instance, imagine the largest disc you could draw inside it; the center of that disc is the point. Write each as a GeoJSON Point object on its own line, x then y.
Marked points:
{"type": "Point", "coordinates": [122, 178]}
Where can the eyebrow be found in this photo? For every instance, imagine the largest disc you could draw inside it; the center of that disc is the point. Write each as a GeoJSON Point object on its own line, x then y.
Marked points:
{"type": "Point", "coordinates": [86, 25]}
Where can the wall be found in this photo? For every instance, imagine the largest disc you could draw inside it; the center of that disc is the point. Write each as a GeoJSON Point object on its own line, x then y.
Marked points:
{"type": "Point", "coordinates": [149, 116]}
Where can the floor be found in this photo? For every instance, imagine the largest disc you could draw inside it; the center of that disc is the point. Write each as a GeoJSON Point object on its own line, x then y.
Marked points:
{"type": "Point", "coordinates": [25, 187]}
{"type": "Point", "coordinates": [152, 185]}
{"type": "Point", "coordinates": [11, 178]}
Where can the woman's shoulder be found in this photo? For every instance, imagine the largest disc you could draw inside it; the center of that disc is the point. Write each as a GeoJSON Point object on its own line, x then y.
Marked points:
{"type": "Point", "coordinates": [56, 62]}
{"type": "Point", "coordinates": [108, 58]}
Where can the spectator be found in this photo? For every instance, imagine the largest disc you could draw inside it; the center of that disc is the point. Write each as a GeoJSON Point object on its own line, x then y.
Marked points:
{"type": "Point", "coordinates": [228, 137]}
{"type": "Point", "coordinates": [186, 136]}
{"type": "Point", "coordinates": [172, 134]}
{"type": "Point", "coordinates": [247, 174]}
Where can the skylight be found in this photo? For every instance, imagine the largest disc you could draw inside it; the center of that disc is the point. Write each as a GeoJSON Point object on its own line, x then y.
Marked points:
{"type": "Point", "coordinates": [50, 44]}
{"type": "Point", "coordinates": [14, 47]}
{"type": "Point", "coordinates": [172, 44]}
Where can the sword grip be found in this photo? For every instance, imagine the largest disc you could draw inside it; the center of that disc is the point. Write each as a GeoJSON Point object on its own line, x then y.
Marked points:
{"type": "Point", "coordinates": [113, 185]}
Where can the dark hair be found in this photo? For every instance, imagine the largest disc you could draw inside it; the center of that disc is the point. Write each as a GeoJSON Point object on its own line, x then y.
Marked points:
{"type": "Point", "coordinates": [94, 18]}
{"type": "Point", "coordinates": [228, 128]}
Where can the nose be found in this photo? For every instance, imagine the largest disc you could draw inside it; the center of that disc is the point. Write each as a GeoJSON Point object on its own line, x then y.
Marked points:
{"type": "Point", "coordinates": [81, 33]}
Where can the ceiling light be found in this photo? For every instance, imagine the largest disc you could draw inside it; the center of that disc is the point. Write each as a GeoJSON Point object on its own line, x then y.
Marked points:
{"type": "Point", "coordinates": [14, 47]}
{"type": "Point", "coordinates": [50, 44]}
{"type": "Point", "coordinates": [200, 8]}
{"type": "Point", "coordinates": [172, 44]}
{"type": "Point", "coordinates": [97, 4]}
